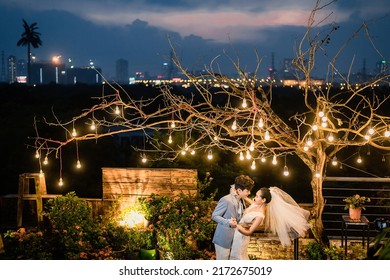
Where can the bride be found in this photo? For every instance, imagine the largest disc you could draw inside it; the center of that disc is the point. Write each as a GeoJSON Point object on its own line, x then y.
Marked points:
{"type": "Point", "coordinates": [275, 209]}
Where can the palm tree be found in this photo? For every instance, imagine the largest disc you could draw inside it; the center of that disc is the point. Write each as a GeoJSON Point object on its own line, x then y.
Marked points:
{"type": "Point", "coordinates": [30, 37]}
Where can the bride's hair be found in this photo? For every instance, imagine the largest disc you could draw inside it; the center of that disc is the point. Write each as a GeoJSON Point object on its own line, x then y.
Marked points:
{"type": "Point", "coordinates": [265, 193]}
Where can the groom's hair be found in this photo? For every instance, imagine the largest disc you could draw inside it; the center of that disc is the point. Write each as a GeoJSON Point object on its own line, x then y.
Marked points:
{"type": "Point", "coordinates": [244, 182]}
{"type": "Point", "coordinates": [265, 193]}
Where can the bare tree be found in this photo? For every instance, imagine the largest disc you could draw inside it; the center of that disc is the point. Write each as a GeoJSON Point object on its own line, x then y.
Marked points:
{"type": "Point", "coordinates": [238, 116]}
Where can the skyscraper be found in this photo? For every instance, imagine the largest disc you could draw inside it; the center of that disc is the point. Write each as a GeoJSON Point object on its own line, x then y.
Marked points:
{"type": "Point", "coordinates": [122, 71]}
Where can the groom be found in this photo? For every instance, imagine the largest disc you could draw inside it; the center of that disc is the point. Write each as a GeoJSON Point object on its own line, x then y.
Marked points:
{"type": "Point", "coordinates": [227, 212]}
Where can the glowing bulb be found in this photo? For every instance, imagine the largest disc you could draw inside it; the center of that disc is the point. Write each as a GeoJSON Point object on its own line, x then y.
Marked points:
{"type": "Point", "coordinates": [324, 119]}
{"type": "Point", "coordinates": [242, 156]}
{"type": "Point", "coordinates": [309, 142]}
{"type": "Point", "coordinates": [305, 148]}
{"type": "Point", "coordinates": [321, 114]}
{"type": "Point", "coordinates": [324, 124]}
{"type": "Point", "coordinates": [383, 159]}
{"type": "Point", "coordinates": [253, 166]}
{"type": "Point", "coordinates": [314, 127]}
{"type": "Point", "coordinates": [252, 146]}
{"type": "Point", "coordinates": [274, 161]}
{"type": "Point", "coordinates": [60, 182]}
{"type": "Point", "coordinates": [183, 152]}
{"type": "Point", "coordinates": [170, 139]}
{"type": "Point", "coordinates": [144, 159]}
{"type": "Point", "coordinates": [334, 161]}
{"type": "Point", "coordinates": [41, 173]}
{"type": "Point", "coordinates": [78, 164]}
{"type": "Point", "coordinates": [387, 133]}
{"type": "Point", "coordinates": [210, 155]}
{"type": "Point", "coordinates": [267, 136]}
{"type": "Point", "coordinates": [93, 126]}
{"type": "Point", "coordinates": [117, 111]}
{"type": "Point", "coordinates": [371, 131]}
{"type": "Point", "coordinates": [261, 123]}
{"type": "Point", "coordinates": [248, 155]}
{"type": "Point", "coordinates": [173, 125]}
{"type": "Point", "coordinates": [192, 152]}
{"type": "Point", "coordinates": [215, 138]}
{"type": "Point", "coordinates": [359, 159]}
{"type": "Point", "coordinates": [37, 154]}
{"type": "Point", "coordinates": [367, 137]}
{"type": "Point", "coordinates": [46, 161]}
{"type": "Point", "coordinates": [234, 125]}
{"type": "Point", "coordinates": [330, 137]}
{"type": "Point", "coordinates": [244, 104]}
{"type": "Point", "coordinates": [285, 171]}
{"type": "Point", "coordinates": [74, 132]}
{"type": "Point", "coordinates": [263, 159]}
{"type": "Point", "coordinates": [317, 174]}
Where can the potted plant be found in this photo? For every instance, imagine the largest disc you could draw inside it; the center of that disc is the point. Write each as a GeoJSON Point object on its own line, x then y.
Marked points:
{"type": "Point", "coordinates": [355, 204]}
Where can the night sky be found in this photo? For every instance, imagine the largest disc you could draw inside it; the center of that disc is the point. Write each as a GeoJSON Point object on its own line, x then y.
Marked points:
{"type": "Point", "coordinates": [137, 31]}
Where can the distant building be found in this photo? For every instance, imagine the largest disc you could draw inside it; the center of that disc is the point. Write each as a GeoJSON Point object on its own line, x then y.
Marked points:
{"type": "Point", "coordinates": [122, 71]}
{"type": "Point", "coordinates": [382, 67]}
{"type": "Point", "coordinates": [47, 73]}
{"type": "Point", "coordinates": [84, 75]}
{"type": "Point", "coordinates": [11, 69]}
{"type": "Point", "coordinates": [3, 75]}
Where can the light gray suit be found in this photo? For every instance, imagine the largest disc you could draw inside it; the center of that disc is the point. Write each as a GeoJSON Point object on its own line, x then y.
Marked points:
{"type": "Point", "coordinates": [227, 207]}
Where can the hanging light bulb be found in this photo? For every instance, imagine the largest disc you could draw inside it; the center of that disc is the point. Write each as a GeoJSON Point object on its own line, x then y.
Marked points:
{"type": "Point", "coordinates": [359, 159]}
{"type": "Point", "coordinates": [173, 124]}
{"type": "Point", "coordinates": [242, 156]}
{"type": "Point", "coordinates": [285, 171]}
{"type": "Point", "coordinates": [74, 132]}
{"type": "Point", "coordinates": [210, 155]}
{"type": "Point", "coordinates": [324, 124]}
{"type": "Point", "coordinates": [93, 126]}
{"type": "Point", "coordinates": [46, 161]}
{"type": "Point", "coordinates": [183, 152]}
{"type": "Point", "coordinates": [61, 182]}
{"type": "Point", "coordinates": [117, 111]}
{"type": "Point", "coordinates": [252, 146]}
{"type": "Point", "coordinates": [371, 131]}
{"type": "Point", "coordinates": [253, 165]}
{"type": "Point", "coordinates": [244, 104]}
{"type": "Point", "coordinates": [261, 123]}
{"type": "Point", "coordinates": [309, 142]}
{"type": "Point", "coordinates": [263, 159]}
{"type": "Point", "coordinates": [266, 135]}
{"type": "Point", "coordinates": [387, 133]}
{"type": "Point", "coordinates": [305, 148]}
{"type": "Point", "coordinates": [234, 125]}
{"type": "Point", "coordinates": [170, 139]}
{"type": "Point", "coordinates": [383, 158]}
{"type": "Point", "coordinates": [334, 161]}
{"type": "Point", "coordinates": [78, 164]}
{"type": "Point", "coordinates": [367, 137]}
{"type": "Point", "coordinates": [324, 119]}
{"type": "Point", "coordinates": [330, 137]}
{"type": "Point", "coordinates": [248, 155]}
{"type": "Point", "coordinates": [314, 127]}
{"type": "Point", "coordinates": [37, 155]}
{"type": "Point", "coordinates": [317, 174]}
{"type": "Point", "coordinates": [321, 114]}
{"type": "Point", "coordinates": [41, 174]}
{"type": "Point", "coordinates": [192, 152]}
{"type": "Point", "coordinates": [215, 138]}
{"type": "Point", "coordinates": [274, 161]}
{"type": "Point", "coordinates": [144, 159]}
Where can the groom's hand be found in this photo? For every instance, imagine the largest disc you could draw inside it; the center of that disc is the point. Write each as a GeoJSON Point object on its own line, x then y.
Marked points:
{"type": "Point", "coordinates": [232, 222]}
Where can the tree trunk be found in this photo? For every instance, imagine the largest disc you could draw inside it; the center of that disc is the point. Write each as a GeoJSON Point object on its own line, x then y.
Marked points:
{"type": "Point", "coordinates": [28, 64]}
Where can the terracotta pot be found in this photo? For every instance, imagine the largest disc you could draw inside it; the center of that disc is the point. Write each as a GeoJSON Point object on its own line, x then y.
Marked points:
{"type": "Point", "coordinates": [355, 213]}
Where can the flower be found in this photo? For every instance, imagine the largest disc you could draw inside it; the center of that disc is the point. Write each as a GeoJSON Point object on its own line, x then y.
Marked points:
{"type": "Point", "coordinates": [356, 201]}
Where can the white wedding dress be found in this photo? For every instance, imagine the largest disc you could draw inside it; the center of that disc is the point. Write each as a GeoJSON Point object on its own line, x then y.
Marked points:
{"type": "Point", "coordinates": [239, 249]}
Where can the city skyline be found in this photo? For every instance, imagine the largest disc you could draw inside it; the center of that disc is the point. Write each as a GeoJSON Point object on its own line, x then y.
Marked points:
{"type": "Point", "coordinates": [139, 33]}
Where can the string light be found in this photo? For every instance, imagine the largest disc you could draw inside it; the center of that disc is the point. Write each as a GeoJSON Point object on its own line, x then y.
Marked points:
{"type": "Point", "coordinates": [215, 138]}
{"type": "Point", "coordinates": [334, 161]}
{"type": "Point", "coordinates": [78, 164]}
{"type": "Point", "coordinates": [144, 159]}
{"type": "Point", "coordinates": [309, 142]}
{"type": "Point", "coordinates": [252, 146]}
{"type": "Point", "coordinates": [371, 131]}
{"type": "Point", "coordinates": [324, 119]}
{"type": "Point", "coordinates": [192, 152]}
{"type": "Point", "coordinates": [305, 148]}
{"type": "Point", "coordinates": [266, 135]}
{"type": "Point", "coordinates": [183, 152]}
{"type": "Point", "coordinates": [263, 159]}
{"type": "Point", "coordinates": [253, 165]}
{"type": "Point", "coordinates": [93, 126]}
{"type": "Point", "coordinates": [314, 127]}
{"type": "Point", "coordinates": [173, 124]}
{"type": "Point", "coordinates": [330, 137]}
{"type": "Point", "coordinates": [285, 171]}
{"type": "Point", "coordinates": [37, 155]}
{"type": "Point", "coordinates": [61, 182]}
{"type": "Point", "coordinates": [383, 158]}
{"type": "Point", "coordinates": [41, 173]}
{"type": "Point", "coordinates": [248, 155]}
{"type": "Point", "coordinates": [244, 104]}
{"type": "Point", "coordinates": [359, 159]}
{"type": "Point", "coordinates": [261, 123]}
{"type": "Point", "coordinates": [324, 124]}
{"type": "Point", "coordinates": [387, 133]}
{"type": "Point", "coordinates": [242, 156]}
{"type": "Point", "coordinates": [210, 155]}
{"type": "Point", "coordinates": [170, 139]}
{"type": "Point", "coordinates": [117, 111]}
{"type": "Point", "coordinates": [46, 161]}
{"type": "Point", "coordinates": [74, 132]}
{"type": "Point", "coordinates": [367, 137]}
{"type": "Point", "coordinates": [274, 161]}
{"type": "Point", "coordinates": [234, 125]}
{"type": "Point", "coordinates": [321, 114]}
